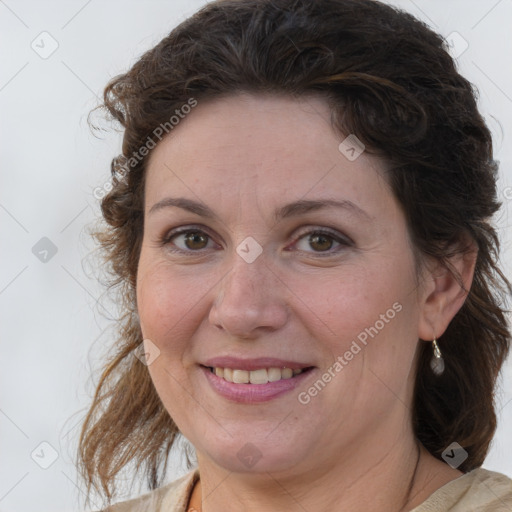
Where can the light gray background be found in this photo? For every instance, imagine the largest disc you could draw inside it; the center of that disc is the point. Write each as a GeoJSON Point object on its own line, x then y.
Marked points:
{"type": "Point", "coordinates": [53, 332]}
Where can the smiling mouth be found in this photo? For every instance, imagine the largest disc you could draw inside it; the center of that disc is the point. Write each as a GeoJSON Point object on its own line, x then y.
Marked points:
{"type": "Point", "coordinates": [260, 376]}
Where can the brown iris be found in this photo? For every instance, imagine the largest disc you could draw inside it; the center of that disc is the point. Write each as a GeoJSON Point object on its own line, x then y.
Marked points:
{"type": "Point", "coordinates": [196, 240]}
{"type": "Point", "coordinates": [320, 242]}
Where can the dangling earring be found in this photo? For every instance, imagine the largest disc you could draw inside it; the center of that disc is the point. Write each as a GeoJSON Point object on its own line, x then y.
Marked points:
{"type": "Point", "coordinates": [437, 361]}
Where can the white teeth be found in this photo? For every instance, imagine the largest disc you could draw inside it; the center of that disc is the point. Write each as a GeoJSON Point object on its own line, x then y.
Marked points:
{"type": "Point", "coordinates": [260, 376]}
{"type": "Point", "coordinates": [274, 374]}
{"type": "Point", "coordinates": [286, 373]}
{"type": "Point", "coordinates": [240, 376]}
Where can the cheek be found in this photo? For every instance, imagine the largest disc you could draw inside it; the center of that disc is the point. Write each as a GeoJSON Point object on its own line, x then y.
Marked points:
{"type": "Point", "coordinates": [171, 301]}
{"type": "Point", "coordinates": [162, 300]}
{"type": "Point", "coordinates": [168, 306]}
{"type": "Point", "coordinates": [363, 311]}
{"type": "Point", "coordinates": [344, 299]}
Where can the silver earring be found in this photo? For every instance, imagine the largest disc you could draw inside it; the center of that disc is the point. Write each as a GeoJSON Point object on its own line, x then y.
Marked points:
{"type": "Point", "coordinates": [437, 361]}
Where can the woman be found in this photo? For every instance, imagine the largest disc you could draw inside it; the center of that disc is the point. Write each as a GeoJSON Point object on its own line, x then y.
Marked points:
{"type": "Point", "coordinates": [300, 229]}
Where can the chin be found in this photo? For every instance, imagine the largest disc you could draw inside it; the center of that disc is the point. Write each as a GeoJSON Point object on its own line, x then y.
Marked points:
{"type": "Point", "coordinates": [244, 456]}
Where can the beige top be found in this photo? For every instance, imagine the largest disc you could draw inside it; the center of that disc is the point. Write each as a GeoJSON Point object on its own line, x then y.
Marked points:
{"type": "Point", "coordinates": [479, 490]}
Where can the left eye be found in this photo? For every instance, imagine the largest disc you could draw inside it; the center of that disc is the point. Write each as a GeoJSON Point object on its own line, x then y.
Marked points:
{"type": "Point", "coordinates": [320, 241]}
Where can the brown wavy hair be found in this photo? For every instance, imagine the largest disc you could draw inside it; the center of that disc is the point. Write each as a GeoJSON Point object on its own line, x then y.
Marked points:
{"type": "Point", "coordinates": [390, 81]}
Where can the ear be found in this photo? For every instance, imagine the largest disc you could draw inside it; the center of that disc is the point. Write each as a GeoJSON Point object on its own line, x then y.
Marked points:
{"type": "Point", "coordinates": [442, 295]}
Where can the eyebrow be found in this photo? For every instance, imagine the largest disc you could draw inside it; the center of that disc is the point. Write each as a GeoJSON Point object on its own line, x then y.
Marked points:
{"type": "Point", "coordinates": [294, 209]}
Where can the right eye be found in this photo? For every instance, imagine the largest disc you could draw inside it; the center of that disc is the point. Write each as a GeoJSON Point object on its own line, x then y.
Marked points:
{"type": "Point", "coordinates": [188, 240]}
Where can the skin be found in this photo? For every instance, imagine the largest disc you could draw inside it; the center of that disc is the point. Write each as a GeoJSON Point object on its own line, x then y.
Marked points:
{"type": "Point", "coordinates": [352, 446]}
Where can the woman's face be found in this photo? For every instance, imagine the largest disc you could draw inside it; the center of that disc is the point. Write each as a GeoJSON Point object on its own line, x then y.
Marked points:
{"type": "Point", "coordinates": [266, 246]}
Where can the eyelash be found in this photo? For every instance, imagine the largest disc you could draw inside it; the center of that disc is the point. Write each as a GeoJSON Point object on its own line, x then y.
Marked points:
{"type": "Point", "coordinates": [167, 239]}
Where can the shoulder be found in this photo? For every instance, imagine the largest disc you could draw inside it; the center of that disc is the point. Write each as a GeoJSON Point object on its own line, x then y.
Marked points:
{"type": "Point", "coordinates": [479, 490]}
{"type": "Point", "coordinates": [172, 497]}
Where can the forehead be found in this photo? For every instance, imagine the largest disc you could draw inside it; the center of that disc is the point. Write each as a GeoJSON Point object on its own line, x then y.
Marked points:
{"type": "Point", "coordinates": [268, 148]}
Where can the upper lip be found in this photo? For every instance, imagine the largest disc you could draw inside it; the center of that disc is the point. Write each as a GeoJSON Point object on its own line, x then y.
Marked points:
{"type": "Point", "coordinates": [253, 364]}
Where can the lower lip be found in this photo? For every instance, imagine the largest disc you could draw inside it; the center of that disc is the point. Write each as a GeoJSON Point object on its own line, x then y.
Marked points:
{"type": "Point", "coordinates": [253, 393]}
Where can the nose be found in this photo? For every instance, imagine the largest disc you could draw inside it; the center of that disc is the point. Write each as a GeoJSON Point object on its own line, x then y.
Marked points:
{"type": "Point", "coordinates": [250, 300]}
